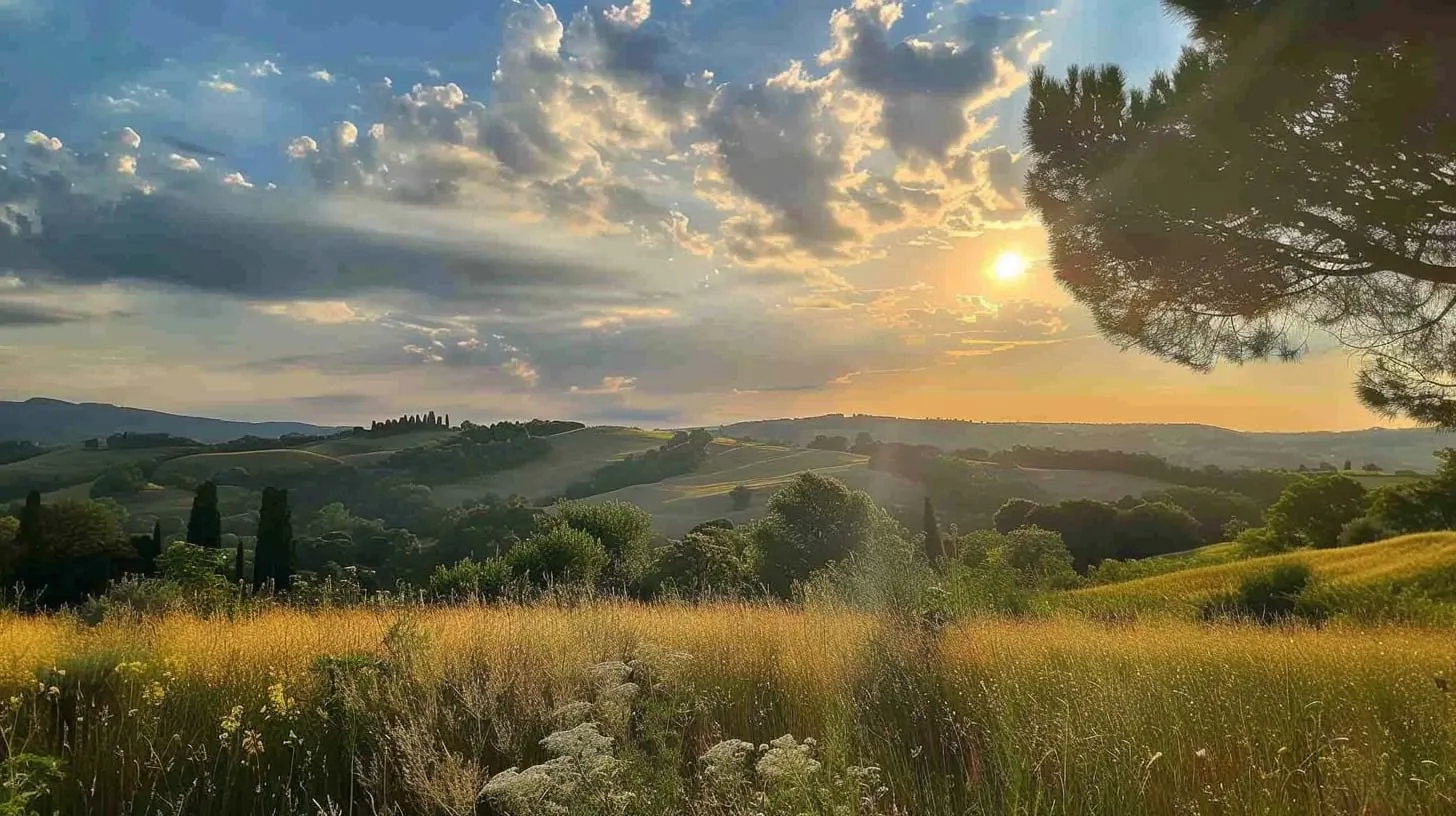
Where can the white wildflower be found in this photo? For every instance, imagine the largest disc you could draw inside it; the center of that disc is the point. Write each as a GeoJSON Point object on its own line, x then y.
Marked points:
{"type": "Point", "coordinates": [610, 673]}
{"type": "Point", "coordinates": [726, 762]}
{"type": "Point", "coordinates": [585, 743]}
{"type": "Point", "coordinates": [571, 714]}
{"type": "Point", "coordinates": [786, 760]}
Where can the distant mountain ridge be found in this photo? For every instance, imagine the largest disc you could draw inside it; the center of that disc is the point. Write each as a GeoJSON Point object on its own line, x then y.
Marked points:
{"type": "Point", "coordinates": [1190, 445]}
{"type": "Point", "coordinates": [54, 422]}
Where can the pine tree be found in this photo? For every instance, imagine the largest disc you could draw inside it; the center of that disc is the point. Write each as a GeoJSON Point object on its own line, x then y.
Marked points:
{"type": "Point", "coordinates": [934, 544]}
{"type": "Point", "coordinates": [204, 525]}
{"type": "Point", "coordinates": [273, 557]}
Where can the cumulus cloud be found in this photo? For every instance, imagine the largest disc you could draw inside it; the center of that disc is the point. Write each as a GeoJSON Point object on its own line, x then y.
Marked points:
{"type": "Point", "coordinates": [263, 69]}
{"type": "Point", "coordinates": [322, 76]}
{"type": "Point", "coordinates": [301, 147]}
{"type": "Point", "coordinates": [129, 138]}
{"type": "Point", "coordinates": [236, 179]}
{"type": "Point", "coordinates": [184, 164]}
{"type": "Point", "coordinates": [40, 141]}
{"type": "Point", "coordinates": [126, 165]}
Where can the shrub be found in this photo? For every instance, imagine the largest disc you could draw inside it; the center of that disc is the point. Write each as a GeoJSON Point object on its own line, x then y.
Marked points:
{"type": "Point", "coordinates": [471, 580]}
{"type": "Point", "coordinates": [741, 497]}
{"type": "Point", "coordinates": [1363, 530]}
{"type": "Point", "coordinates": [1275, 595]}
{"type": "Point", "coordinates": [559, 555]}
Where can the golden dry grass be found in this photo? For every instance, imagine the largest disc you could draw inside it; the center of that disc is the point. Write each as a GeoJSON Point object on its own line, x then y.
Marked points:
{"type": "Point", "coordinates": [1055, 716]}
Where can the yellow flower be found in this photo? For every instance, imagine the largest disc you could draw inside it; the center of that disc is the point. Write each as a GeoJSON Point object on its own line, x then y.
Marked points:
{"type": "Point", "coordinates": [154, 693]}
{"type": "Point", "coordinates": [278, 701]}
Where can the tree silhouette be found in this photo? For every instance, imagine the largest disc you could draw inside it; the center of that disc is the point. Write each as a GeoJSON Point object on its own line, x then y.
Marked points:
{"type": "Point", "coordinates": [1292, 174]}
{"type": "Point", "coordinates": [273, 557]}
{"type": "Point", "coordinates": [934, 545]}
{"type": "Point", "coordinates": [204, 525]}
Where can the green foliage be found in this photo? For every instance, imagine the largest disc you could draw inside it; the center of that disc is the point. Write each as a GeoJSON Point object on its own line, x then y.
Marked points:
{"type": "Point", "coordinates": [196, 569]}
{"type": "Point", "coordinates": [334, 538]}
{"type": "Point", "coordinates": [25, 780]}
{"type": "Point", "coordinates": [204, 525]}
{"type": "Point", "coordinates": [1428, 504]}
{"type": "Point", "coordinates": [1363, 530]}
{"type": "Point", "coordinates": [486, 529]}
{"type": "Point", "coordinates": [1088, 527]}
{"type": "Point", "coordinates": [829, 443]}
{"type": "Point", "coordinates": [12, 450]}
{"type": "Point", "coordinates": [712, 561]}
{"type": "Point", "coordinates": [887, 575]}
{"type": "Point", "coordinates": [1013, 514]}
{"type": "Point", "coordinates": [812, 522]}
{"type": "Point", "coordinates": [1315, 509]}
{"type": "Point", "coordinates": [559, 555]}
{"type": "Point", "coordinates": [471, 580]}
{"type": "Point", "coordinates": [66, 551]}
{"type": "Point", "coordinates": [122, 481]}
{"type": "Point", "coordinates": [460, 458]}
{"type": "Point", "coordinates": [1213, 509]}
{"type": "Point", "coordinates": [624, 530]}
{"type": "Point", "coordinates": [1155, 528]}
{"type": "Point", "coordinates": [1272, 596]}
{"type": "Point", "coordinates": [683, 454]}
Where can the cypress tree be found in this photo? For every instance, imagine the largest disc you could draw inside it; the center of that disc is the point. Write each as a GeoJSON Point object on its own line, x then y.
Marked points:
{"type": "Point", "coordinates": [28, 536]}
{"type": "Point", "coordinates": [273, 558]}
{"type": "Point", "coordinates": [204, 525]}
{"type": "Point", "coordinates": [934, 544]}
{"type": "Point", "coordinates": [238, 568]}
{"type": "Point", "coordinates": [149, 551]}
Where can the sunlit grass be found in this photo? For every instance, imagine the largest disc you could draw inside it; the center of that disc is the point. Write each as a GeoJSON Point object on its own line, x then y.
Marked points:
{"type": "Point", "coordinates": [1382, 565]}
{"type": "Point", "coordinates": [1057, 715]}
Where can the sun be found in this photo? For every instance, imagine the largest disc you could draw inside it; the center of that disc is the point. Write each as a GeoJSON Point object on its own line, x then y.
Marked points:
{"type": "Point", "coordinates": [1009, 266]}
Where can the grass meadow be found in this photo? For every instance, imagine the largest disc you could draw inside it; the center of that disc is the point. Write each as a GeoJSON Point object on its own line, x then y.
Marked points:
{"type": "Point", "coordinates": [733, 709]}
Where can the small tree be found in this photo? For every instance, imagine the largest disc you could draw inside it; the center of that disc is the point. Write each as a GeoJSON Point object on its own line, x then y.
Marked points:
{"type": "Point", "coordinates": [1315, 509]}
{"type": "Point", "coordinates": [559, 555]}
{"type": "Point", "coordinates": [741, 497]}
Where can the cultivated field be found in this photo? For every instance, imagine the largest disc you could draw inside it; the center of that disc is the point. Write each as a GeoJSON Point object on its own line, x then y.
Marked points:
{"type": "Point", "coordinates": [425, 712]}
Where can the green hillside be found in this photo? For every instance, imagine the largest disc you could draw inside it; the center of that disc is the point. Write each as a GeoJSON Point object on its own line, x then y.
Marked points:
{"type": "Point", "coordinates": [360, 450]}
{"type": "Point", "coordinates": [574, 455]}
{"type": "Point", "coordinates": [281, 462]}
{"type": "Point", "coordinates": [1426, 559]}
{"type": "Point", "coordinates": [682, 502]}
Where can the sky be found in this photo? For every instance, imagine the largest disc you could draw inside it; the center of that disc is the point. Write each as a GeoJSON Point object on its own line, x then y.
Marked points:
{"type": "Point", "coordinates": [660, 212]}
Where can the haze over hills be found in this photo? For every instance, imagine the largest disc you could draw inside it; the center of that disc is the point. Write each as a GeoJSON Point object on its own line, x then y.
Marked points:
{"type": "Point", "coordinates": [1190, 445]}
{"type": "Point", "coordinates": [54, 422]}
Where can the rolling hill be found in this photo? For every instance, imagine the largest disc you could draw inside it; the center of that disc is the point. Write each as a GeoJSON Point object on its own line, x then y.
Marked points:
{"type": "Point", "coordinates": [56, 422]}
{"type": "Point", "coordinates": [281, 462]}
{"type": "Point", "coordinates": [1193, 445]}
{"type": "Point", "coordinates": [574, 455]}
{"type": "Point", "coordinates": [1424, 558]}
{"type": "Point", "coordinates": [682, 502]}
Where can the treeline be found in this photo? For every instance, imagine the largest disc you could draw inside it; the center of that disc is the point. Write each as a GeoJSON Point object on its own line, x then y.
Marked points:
{"type": "Point", "coordinates": [461, 457]}
{"type": "Point", "coordinates": [511, 431]}
{"type": "Point", "coordinates": [406, 423]}
{"type": "Point", "coordinates": [126, 440]}
{"type": "Point", "coordinates": [19, 451]}
{"type": "Point", "coordinates": [683, 454]}
{"type": "Point", "coordinates": [1263, 486]}
{"type": "Point", "coordinates": [63, 552]}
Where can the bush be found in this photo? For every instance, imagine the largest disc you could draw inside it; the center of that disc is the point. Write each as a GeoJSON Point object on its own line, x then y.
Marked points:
{"type": "Point", "coordinates": [741, 497]}
{"type": "Point", "coordinates": [559, 555]}
{"type": "Point", "coordinates": [485, 580]}
{"type": "Point", "coordinates": [1275, 595]}
{"type": "Point", "coordinates": [1363, 530]}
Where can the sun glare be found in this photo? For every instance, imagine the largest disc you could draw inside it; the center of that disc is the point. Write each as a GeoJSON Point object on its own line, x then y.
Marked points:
{"type": "Point", "coordinates": [1009, 266]}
